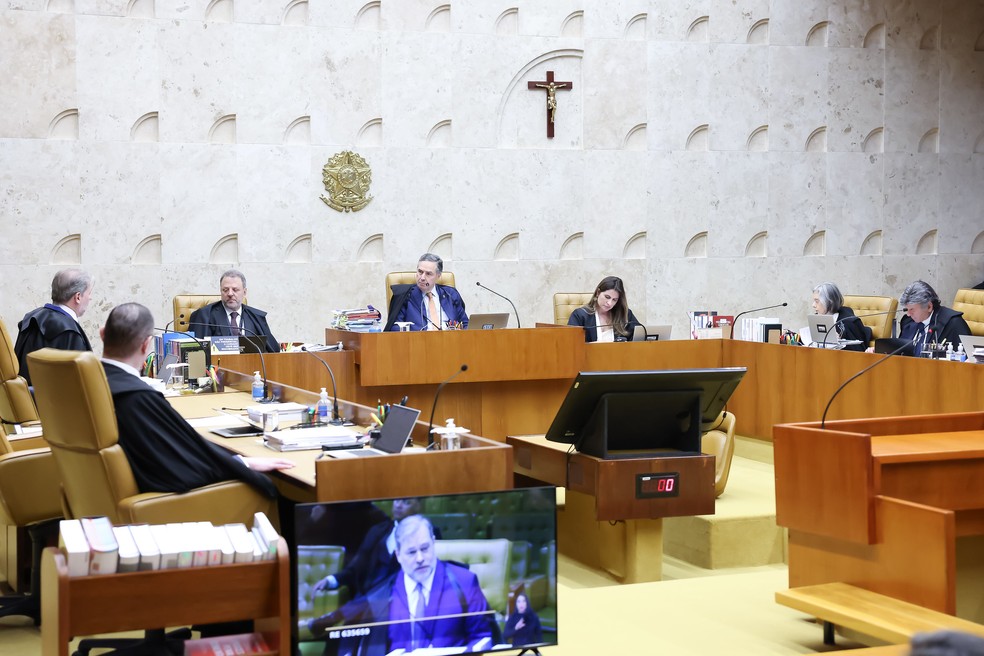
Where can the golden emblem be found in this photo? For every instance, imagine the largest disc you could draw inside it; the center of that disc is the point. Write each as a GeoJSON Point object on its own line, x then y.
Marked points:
{"type": "Point", "coordinates": [347, 178]}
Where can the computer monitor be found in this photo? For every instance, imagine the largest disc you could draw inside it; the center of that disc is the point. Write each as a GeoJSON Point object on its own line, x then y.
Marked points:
{"type": "Point", "coordinates": [491, 562]}
{"type": "Point", "coordinates": [622, 414]}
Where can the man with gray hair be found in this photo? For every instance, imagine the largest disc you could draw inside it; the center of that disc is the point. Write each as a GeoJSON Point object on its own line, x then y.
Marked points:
{"type": "Point", "coordinates": [427, 305]}
{"type": "Point", "coordinates": [232, 317]}
{"type": "Point", "coordinates": [927, 321]}
{"type": "Point", "coordinates": [56, 324]}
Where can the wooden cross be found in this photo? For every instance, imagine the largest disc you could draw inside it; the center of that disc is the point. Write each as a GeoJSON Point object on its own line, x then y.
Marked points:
{"type": "Point", "coordinates": [551, 88]}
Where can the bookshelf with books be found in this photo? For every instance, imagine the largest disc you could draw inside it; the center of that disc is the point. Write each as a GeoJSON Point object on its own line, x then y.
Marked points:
{"type": "Point", "coordinates": [109, 603]}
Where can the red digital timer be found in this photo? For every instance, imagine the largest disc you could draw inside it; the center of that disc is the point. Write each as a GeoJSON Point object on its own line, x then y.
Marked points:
{"type": "Point", "coordinates": [650, 486]}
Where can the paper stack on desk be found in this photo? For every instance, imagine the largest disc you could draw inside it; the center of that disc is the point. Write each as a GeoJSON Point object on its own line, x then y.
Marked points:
{"type": "Point", "coordinates": [311, 438]}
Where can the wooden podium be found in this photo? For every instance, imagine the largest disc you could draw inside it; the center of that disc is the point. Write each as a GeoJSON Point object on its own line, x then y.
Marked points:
{"type": "Point", "coordinates": [883, 503]}
{"type": "Point", "coordinates": [613, 516]}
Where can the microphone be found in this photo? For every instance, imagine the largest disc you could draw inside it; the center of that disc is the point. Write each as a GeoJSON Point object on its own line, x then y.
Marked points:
{"type": "Point", "coordinates": [823, 419]}
{"type": "Point", "coordinates": [738, 316]}
{"type": "Point", "coordinates": [336, 419]}
{"type": "Point", "coordinates": [430, 424]}
{"type": "Point", "coordinates": [515, 311]}
{"type": "Point", "coordinates": [259, 350]}
{"type": "Point", "coordinates": [426, 316]}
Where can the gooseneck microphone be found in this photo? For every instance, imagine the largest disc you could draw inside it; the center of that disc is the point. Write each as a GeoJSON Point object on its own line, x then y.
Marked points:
{"type": "Point", "coordinates": [336, 418]}
{"type": "Point", "coordinates": [249, 334]}
{"type": "Point", "coordinates": [437, 394]}
{"type": "Point", "coordinates": [739, 315]}
{"type": "Point", "coordinates": [515, 311]}
{"type": "Point", "coordinates": [823, 419]}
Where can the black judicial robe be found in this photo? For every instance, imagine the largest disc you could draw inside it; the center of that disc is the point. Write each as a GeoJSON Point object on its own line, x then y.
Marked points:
{"type": "Point", "coordinates": [165, 453]}
{"type": "Point", "coordinates": [212, 320]}
{"type": "Point", "coordinates": [47, 326]}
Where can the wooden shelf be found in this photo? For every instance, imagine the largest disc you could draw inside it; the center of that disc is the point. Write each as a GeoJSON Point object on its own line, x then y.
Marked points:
{"type": "Point", "coordinates": [87, 605]}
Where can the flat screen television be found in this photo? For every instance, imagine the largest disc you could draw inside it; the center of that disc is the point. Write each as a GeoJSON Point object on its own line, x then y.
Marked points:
{"type": "Point", "coordinates": [623, 414]}
{"type": "Point", "coordinates": [487, 562]}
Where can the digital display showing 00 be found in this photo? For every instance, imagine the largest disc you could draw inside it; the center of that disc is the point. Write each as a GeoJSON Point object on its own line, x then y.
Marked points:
{"type": "Point", "coordinates": [650, 486]}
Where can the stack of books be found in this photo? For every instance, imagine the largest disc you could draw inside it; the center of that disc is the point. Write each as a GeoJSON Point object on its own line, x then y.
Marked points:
{"type": "Point", "coordinates": [94, 546]}
{"type": "Point", "coordinates": [244, 643]}
{"type": "Point", "coordinates": [362, 320]}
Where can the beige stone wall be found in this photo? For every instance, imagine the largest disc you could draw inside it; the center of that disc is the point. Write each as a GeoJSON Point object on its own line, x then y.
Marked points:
{"type": "Point", "coordinates": [717, 155]}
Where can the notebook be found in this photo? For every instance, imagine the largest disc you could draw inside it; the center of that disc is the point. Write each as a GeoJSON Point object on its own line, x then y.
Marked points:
{"type": "Point", "coordinates": [393, 435]}
{"type": "Point", "coordinates": [651, 333]}
{"type": "Point", "coordinates": [492, 321]}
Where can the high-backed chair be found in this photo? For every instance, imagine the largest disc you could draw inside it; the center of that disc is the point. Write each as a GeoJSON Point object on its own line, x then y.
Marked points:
{"type": "Point", "coordinates": [185, 304]}
{"type": "Point", "coordinates": [971, 303]}
{"type": "Point", "coordinates": [720, 442]}
{"type": "Point", "coordinates": [315, 562]}
{"type": "Point", "coordinates": [410, 278]}
{"type": "Point", "coordinates": [29, 498]}
{"type": "Point", "coordinates": [566, 302]}
{"type": "Point", "coordinates": [881, 324]}
{"type": "Point", "coordinates": [489, 560]}
{"type": "Point", "coordinates": [80, 425]}
{"type": "Point", "coordinates": [16, 404]}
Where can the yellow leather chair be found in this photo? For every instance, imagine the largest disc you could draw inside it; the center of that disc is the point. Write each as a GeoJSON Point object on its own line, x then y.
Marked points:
{"type": "Point", "coordinates": [410, 278]}
{"type": "Point", "coordinates": [489, 560]}
{"type": "Point", "coordinates": [565, 303]}
{"type": "Point", "coordinates": [29, 498]}
{"type": "Point", "coordinates": [80, 425]}
{"type": "Point", "coordinates": [16, 404]}
{"type": "Point", "coordinates": [720, 442]}
{"type": "Point", "coordinates": [315, 562]}
{"type": "Point", "coordinates": [881, 325]}
{"type": "Point", "coordinates": [185, 304]}
{"type": "Point", "coordinates": [971, 303]}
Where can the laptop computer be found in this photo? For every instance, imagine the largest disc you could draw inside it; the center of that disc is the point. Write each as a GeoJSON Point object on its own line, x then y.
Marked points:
{"type": "Point", "coordinates": [651, 333]}
{"type": "Point", "coordinates": [493, 321]}
{"type": "Point", "coordinates": [971, 343]}
{"type": "Point", "coordinates": [886, 345]}
{"type": "Point", "coordinates": [393, 435]}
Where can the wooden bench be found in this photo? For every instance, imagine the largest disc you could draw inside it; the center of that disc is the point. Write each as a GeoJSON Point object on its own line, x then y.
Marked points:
{"type": "Point", "coordinates": [869, 613]}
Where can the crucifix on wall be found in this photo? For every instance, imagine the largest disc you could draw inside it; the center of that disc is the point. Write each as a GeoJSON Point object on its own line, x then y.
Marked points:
{"type": "Point", "coordinates": [551, 87]}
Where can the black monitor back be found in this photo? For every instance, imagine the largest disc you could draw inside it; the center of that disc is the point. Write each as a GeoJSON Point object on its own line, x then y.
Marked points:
{"type": "Point", "coordinates": [643, 424]}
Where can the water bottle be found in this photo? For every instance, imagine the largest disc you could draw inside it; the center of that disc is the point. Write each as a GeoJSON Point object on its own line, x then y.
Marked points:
{"type": "Point", "coordinates": [323, 406]}
{"type": "Point", "coordinates": [257, 387]}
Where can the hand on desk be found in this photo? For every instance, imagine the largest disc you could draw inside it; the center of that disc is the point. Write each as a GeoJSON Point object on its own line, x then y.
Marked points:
{"type": "Point", "coordinates": [268, 464]}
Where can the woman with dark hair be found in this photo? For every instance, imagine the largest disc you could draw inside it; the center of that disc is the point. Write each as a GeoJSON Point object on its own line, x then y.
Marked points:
{"type": "Point", "coordinates": [827, 299]}
{"type": "Point", "coordinates": [523, 625]}
{"type": "Point", "coordinates": [606, 317]}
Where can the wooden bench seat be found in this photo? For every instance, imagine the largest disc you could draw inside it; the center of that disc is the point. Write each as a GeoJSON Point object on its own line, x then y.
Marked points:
{"type": "Point", "coordinates": [869, 613]}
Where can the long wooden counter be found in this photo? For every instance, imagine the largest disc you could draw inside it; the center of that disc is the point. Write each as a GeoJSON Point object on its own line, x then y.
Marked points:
{"type": "Point", "coordinates": [517, 379]}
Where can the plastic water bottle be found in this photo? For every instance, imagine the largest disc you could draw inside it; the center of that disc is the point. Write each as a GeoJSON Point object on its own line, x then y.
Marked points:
{"type": "Point", "coordinates": [257, 387]}
{"type": "Point", "coordinates": [323, 406]}
{"type": "Point", "coordinates": [961, 354]}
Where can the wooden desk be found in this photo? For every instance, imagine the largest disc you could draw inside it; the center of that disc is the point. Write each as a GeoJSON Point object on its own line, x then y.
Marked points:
{"type": "Point", "coordinates": [883, 503]}
{"type": "Point", "coordinates": [479, 466]}
{"type": "Point", "coordinates": [503, 394]}
{"type": "Point", "coordinates": [600, 492]}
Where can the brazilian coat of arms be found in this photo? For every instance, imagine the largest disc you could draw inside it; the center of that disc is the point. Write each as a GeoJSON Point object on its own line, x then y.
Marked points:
{"type": "Point", "coordinates": [347, 177]}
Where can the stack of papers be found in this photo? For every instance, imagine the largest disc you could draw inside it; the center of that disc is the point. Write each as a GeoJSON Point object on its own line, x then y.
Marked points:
{"type": "Point", "coordinates": [311, 438]}
{"type": "Point", "coordinates": [285, 410]}
{"type": "Point", "coordinates": [357, 319]}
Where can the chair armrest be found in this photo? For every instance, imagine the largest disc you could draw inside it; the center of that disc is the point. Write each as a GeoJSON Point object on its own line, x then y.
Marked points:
{"type": "Point", "coordinates": [228, 502]}
{"type": "Point", "coordinates": [29, 486]}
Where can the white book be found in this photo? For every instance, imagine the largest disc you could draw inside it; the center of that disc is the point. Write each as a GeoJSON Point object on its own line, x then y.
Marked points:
{"type": "Point", "coordinates": [242, 542]}
{"type": "Point", "coordinates": [169, 550]}
{"type": "Point", "coordinates": [197, 542]}
{"type": "Point", "coordinates": [268, 534]}
{"type": "Point", "coordinates": [259, 548]}
{"type": "Point", "coordinates": [150, 555]}
{"type": "Point", "coordinates": [129, 554]}
{"type": "Point", "coordinates": [181, 543]}
{"type": "Point", "coordinates": [226, 550]}
{"type": "Point", "coordinates": [103, 549]}
{"type": "Point", "coordinates": [210, 542]}
{"type": "Point", "coordinates": [72, 540]}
